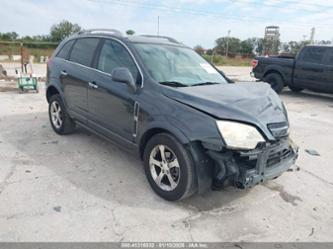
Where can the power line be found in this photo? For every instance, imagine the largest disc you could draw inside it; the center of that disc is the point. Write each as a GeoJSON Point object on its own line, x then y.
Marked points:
{"type": "Point", "coordinates": [204, 12]}
{"type": "Point", "coordinates": [297, 3]}
{"type": "Point", "coordinates": [198, 12]}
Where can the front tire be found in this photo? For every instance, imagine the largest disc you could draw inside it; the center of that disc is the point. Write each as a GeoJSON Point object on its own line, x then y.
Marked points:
{"type": "Point", "coordinates": [169, 168]}
{"type": "Point", "coordinates": [60, 121]}
{"type": "Point", "coordinates": [276, 81]}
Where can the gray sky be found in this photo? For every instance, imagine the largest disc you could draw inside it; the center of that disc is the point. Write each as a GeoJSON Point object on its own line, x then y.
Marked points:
{"type": "Point", "coordinates": [192, 22]}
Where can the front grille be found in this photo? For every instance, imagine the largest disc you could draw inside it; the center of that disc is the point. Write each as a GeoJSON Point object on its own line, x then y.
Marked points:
{"type": "Point", "coordinates": [277, 157]}
{"type": "Point", "coordinates": [279, 130]}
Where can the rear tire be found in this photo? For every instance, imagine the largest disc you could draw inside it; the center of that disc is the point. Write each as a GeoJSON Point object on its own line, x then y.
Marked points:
{"type": "Point", "coordinates": [295, 89]}
{"type": "Point", "coordinates": [60, 121]}
{"type": "Point", "coordinates": [276, 81]}
{"type": "Point", "coordinates": [171, 176]}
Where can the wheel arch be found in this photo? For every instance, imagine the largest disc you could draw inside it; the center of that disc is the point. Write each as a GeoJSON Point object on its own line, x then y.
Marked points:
{"type": "Point", "coordinates": [50, 91]}
{"type": "Point", "coordinates": [201, 164]}
{"type": "Point", "coordinates": [277, 71]}
{"type": "Point", "coordinates": [157, 129]}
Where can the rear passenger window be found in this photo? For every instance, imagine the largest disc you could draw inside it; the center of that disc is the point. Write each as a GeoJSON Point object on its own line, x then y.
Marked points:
{"type": "Point", "coordinates": [83, 51]}
{"type": "Point", "coordinates": [63, 53]}
{"type": "Point", "coordinates": [313, 54]}
{"type": "Point", "coordinates": [113, 55]}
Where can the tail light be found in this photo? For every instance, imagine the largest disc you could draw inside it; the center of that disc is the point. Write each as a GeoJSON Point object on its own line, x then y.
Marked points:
{"type": "Point", "coordinates": [254, 63]}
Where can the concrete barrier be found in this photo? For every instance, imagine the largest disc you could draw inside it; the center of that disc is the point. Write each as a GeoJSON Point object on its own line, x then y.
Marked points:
{"type": "Point", "coordinates": [16, 57]}
{"type": "Point", "coordinates": [4, 57]}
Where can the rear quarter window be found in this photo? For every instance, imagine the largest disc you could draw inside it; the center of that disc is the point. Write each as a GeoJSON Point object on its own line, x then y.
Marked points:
{"type": "Point", "coordinates": [84, 50]}
{"type": "Point", "coordinates": [64, 51]}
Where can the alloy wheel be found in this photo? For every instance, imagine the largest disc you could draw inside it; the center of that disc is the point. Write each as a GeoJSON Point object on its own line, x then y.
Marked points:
{"type": "Point", "coordinates": [164, 167]}
{"type": "Point", "coordinates": [56, 114]}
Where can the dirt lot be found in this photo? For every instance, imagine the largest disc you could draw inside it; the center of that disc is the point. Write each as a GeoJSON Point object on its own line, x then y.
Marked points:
{"type": "Point", "coordinates": [82, 188]}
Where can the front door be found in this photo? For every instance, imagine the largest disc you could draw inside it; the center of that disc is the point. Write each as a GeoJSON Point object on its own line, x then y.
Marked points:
{"type": "Point", "coordinates": [309, 68]}
{"type": "Point", "coordinates": [329, 71]}
{"type": "Point", "coordinates": [111, 103]}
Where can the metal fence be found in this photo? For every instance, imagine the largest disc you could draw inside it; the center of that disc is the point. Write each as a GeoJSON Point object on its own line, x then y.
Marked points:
{"type": "Point", "coordinates": [18, 51]}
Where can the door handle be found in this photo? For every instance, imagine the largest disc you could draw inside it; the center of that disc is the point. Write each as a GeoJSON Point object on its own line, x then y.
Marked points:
{"type": "Point", "coordinates": [64, 73]}
{"type": "Point", "coordinates": [92, 85]}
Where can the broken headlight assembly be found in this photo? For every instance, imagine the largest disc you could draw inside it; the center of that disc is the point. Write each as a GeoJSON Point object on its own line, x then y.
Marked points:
{"type": "Point", "coordinates": [238, 135]}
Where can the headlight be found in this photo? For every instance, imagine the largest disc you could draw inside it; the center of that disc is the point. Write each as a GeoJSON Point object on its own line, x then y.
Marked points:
{"type": "Point", "coordinates": [238, 135]}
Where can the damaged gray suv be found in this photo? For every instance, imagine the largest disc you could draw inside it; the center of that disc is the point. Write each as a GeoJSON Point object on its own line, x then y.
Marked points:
{"type": "Point", "coordinates": [193, 128]}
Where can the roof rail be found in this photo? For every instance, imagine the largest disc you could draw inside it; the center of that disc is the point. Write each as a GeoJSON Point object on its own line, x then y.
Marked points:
{"type": "Point", "coordinates": [101, 31]}
{"type": "Point", "coordinates": [162, 37]}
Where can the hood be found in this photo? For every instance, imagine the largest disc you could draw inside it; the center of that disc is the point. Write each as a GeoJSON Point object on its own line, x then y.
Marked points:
{"type": "Point", "coordinates": [249, 102]}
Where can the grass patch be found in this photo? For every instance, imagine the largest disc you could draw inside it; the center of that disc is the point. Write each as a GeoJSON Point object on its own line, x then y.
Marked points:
{"type": "Point", "coordinates": [220, 60]}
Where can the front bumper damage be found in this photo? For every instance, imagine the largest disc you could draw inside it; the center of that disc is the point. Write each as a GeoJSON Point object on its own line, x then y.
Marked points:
{"type": "Point", "coordinates": [248, 168]}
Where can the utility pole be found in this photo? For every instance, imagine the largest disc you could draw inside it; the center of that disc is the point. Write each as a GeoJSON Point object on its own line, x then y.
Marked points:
{"type": "Point", "coordinates": [158, 25]}
{"type": "Point", "coordinates": [313, 31]}
{"type": "Point", "coordinates": [227, 48]}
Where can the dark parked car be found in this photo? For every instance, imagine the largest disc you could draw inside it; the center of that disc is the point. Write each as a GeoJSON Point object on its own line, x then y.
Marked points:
{"type": "Point", "coordinates": [158, 98]}
{"type": "Point", "coordinates": [311, 69]}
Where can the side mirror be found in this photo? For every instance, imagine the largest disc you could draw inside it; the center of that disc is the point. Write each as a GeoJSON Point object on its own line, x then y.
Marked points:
{"type": "Point", "coordinates": [123, 75]}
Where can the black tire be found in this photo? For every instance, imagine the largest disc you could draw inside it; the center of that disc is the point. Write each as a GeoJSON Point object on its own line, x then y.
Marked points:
{"type": "Point", "coordinates": [295, 89]}
{"type": "Point", "coordinates": [276, 81]}
{"type": "Point", "coordinates": [68, 125]}
{"type": "Point", "coordinates": [186, 182]}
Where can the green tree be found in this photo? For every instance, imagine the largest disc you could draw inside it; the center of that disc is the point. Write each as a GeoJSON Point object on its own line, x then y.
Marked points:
{"type": "Point", "coordinates": [285, 48]}
{"type": "Point", "coordinates": [247, 47]}
{"type": "Point", "coordinates": [295, 47]}
{"type": "Point", "coordinates": [209, 51]}
{"type": "Point", "coordinates": [323, 42]}
{"type": "Point", "coordinates": [199, 49]}
{"type": "Point", "coordinates": [271, 46]}
{"type": "Point", "coordinates": [130, 32]}
{"type": "Point", "coordinates": [8, 36]}
{"type": "Point", "coordinates": [258, 45]}
{"type": "Point", "coordinates": [233, 45]}
{"type": "Point", "coordinates": [63, 29]}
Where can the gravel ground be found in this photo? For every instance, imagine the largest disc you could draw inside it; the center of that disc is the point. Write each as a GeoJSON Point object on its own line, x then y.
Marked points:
{"type": "Point", "coordinates": [82, 188]}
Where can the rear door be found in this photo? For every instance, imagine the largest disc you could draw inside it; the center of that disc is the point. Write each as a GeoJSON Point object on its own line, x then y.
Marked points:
{"type": "Point", "coordinates": [76, 76]}
{"type": "Point", "coordinates": [111, 104]}
{"type": "Point", "coordinates": [57, 65]}
{"type": "Point", "coordinates": [309, 68]}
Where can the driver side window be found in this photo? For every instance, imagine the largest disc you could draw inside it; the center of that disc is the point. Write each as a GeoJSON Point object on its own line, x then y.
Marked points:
{"type": "Point", "coordinates": [113, 55]}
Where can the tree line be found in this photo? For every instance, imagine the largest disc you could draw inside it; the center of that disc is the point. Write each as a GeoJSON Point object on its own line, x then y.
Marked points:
{"type": "Point", "coordinates": [232, 46]}
{"type": "Point", "coordinates": [224, 46]}
{"type": "Point", "coordinates": [57, 33]}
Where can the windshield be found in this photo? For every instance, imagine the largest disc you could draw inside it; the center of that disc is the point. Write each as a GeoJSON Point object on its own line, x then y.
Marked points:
{"type": "Point", "coordinates": [177, 66]}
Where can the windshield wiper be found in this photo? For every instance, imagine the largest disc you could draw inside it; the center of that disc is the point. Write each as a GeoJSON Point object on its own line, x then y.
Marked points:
{"type": "Point", "coordinates": [205, 83]}
{"type": "Point", "coordinates": [173, 83]}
